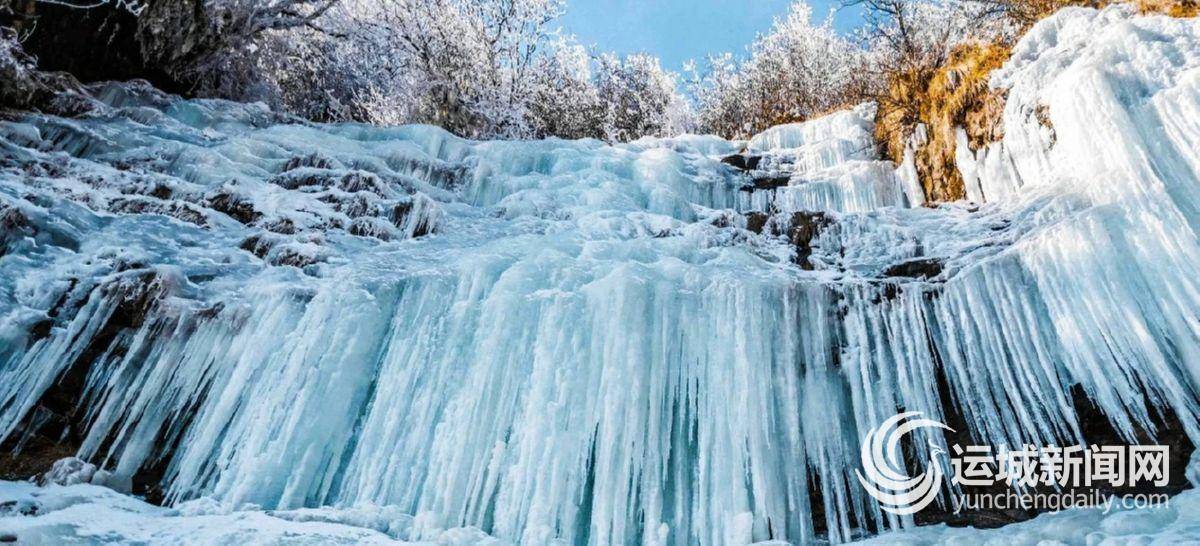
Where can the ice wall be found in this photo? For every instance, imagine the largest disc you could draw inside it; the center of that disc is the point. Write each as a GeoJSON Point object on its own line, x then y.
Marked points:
{"type": "Point", "coordinates": [570, 342]}
{"type": "Point", "coordinates": [831, 164]}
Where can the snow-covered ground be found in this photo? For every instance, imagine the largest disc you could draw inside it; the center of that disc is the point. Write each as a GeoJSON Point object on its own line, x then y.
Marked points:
{"type": "Point", "coordinates": [80, 514]}
{"type": "Point", "coordinates": [351, 333]}
{"type": "Point", "coordinates": [84, 513]}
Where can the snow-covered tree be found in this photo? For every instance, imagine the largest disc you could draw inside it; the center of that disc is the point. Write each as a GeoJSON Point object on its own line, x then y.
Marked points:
{"type": "Point", "coordinates": [637, 96]}
{"type": "Point", "coordinates": [479, 68]}
{"type": "Point", "coordinates": [904, 34]}
{"type": "Point", "coordinates": [798, 69]}
{"type": "Point", "coordinates": [565, 100]}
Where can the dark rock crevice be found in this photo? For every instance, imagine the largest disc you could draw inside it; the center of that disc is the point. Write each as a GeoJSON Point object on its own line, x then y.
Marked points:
{"type": "Point", "coordinates": [95, 44]}
{"type": "Point", "coordinates": [921, 268]}
{"type": "Point", "coordinates": [802, 231]}
{"type": "Point", "coordinates": [742, 161]}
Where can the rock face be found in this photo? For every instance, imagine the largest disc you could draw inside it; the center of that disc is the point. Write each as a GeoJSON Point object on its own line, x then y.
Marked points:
{"type": "Point", "coordinates": [13, 226]}
{"type": "Point", "coordinates": [769, 182]}
{"type": "Point", "coordinates": [925, 268]}
{"type": "Point", "coordinates": [165, 43]}
{"type": "Point", "coordinates": [742, 162]}
{"type": "Point", "coordinates": [804, 229]}
{"type": "Point", "coordinates": [100, 43]}
{"type": "Point", "coordinates": [23, 87]}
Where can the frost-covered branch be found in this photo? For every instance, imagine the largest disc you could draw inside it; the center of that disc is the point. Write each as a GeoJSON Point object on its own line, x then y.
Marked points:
{"type": "Point", "coordinates": [798, 69]}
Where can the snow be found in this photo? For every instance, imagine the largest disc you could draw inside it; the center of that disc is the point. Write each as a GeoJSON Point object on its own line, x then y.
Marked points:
{"type": "Point", "coordinates": [92, 514]}
{"type": "Point", "coordinates": [566, 341]}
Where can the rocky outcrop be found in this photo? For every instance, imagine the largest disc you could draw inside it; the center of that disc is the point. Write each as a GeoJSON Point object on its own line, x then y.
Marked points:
{"type": "Point", "coordinates": [23, 87]}
{"type": "Point", "coordinates": [13, 226]}
{"type": "Point", "coordinates": [768, 182]}
{"type": "Point", "coordinates": [802, 231]}
{"type": "Point", "coordinates": [742, 162]}
{"type": "Point", "coordinates": [924, 268]}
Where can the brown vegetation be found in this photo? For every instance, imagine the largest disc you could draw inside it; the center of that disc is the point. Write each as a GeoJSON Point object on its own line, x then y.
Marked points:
{"type": "Point", "coordinates": [944, 98]}
{"type": "Point", "coordinates": [1029, 12]}
{"type": "Point", "coordinates": [1173, 8]}
{"type": "Point", "coordinates": [956, 94]}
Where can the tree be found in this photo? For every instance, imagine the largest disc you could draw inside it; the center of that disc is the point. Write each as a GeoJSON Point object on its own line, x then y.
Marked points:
{"type": "Point", "coordinates": [479, 68]}
{"type": "Point", "coordinates": [565, 99]}
{"type": "Point", "coordinates": [176, 44]}
{"type": "Point", "coordinates": [636, 94]}
{"type": "Point", "coordinates": [797, 70]}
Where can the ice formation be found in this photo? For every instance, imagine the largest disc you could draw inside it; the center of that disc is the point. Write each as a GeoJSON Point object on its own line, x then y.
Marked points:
{"type": "Point", "coordinates": [569, 342]}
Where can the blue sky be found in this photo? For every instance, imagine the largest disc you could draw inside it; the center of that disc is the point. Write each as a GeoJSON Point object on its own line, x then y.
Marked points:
{"type": "Point", "coordinates": [678, 30]}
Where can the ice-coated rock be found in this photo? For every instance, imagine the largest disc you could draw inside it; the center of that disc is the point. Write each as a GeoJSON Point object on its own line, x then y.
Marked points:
{"type": "Point", "coordinates": [69, 471]}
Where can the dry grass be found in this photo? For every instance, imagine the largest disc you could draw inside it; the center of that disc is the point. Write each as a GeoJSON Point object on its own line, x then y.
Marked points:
{"type": "Point", "coordinates": [956, 95]}
{"type": "Point", "coordinates": [953, 95]}
{"type": "Point", "coordinates": [1173, 8]}
{"type": "Point", "coordinates": [1029, 12]}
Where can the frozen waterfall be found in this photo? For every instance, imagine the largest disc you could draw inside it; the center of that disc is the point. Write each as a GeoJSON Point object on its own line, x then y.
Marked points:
{"type": "Point", "coordinates": [569, 342]}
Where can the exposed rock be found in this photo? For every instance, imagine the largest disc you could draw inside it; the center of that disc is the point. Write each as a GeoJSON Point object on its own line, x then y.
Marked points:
{"type": "Point", "coordinates": [161, 191]}
{"type": "Point", "coordinates": [449, 176]}
{"type": "Point", "coordinates": [12, 219]}
{"type": "Point", "coordinates": [37, 453]}
{"type": "Point", "coordinates": [305, 177]}
{"type": "Point", "coordinates": [356, 205]}
{"type": "Point", "coordinates": [234, 206]}
{"type": "Point", "coordinates": [280, 225]}
{"type": "Point", "coordinates": [1095, 429]}
{"type": "Point", "coordinates": [13, 226]}
{"type": "Point", "coordinates": [802, 231]}
{"type": "Point", "coordinates": [299, 255]}
{"type": "Point", "coordinates": [371, 227]}
{"type": "Point", "coordinates": [742, 162]}
{"type": "Point", "coordinates": [43, 328]}
{"type": "Point", "coordinates": [723, 219]}
{"type": "Point", "coordinates": [400, 218]}
{"type": "Point", "coordinates": [768, 182]}
{"type": "Point", "coordinates": [925, 268]}
{"type": "Point", "coordinates": [926, 107]}
{"type": "Point", "coordinates": [313, 160]}
{"type": "Point", "coordinates": [179, 210]}
{"type": "Point", "coordinates": [1042, 113]}
{"type": "Point", "coordinates": [53, 428]}
{"type": "Point", "coordinates": [356, 181]}
{"type": "Point", "coordinates": [23, 87]}
{"type": "Point", "coordinates": [260, 244]}
{"type": "Point", "coordinates": [756, 221]}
